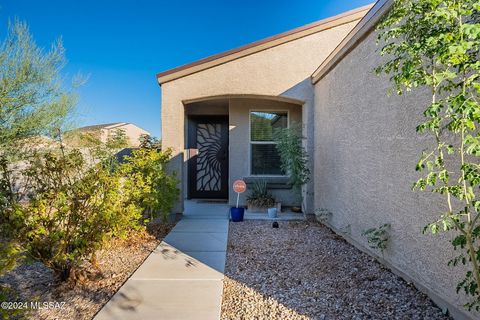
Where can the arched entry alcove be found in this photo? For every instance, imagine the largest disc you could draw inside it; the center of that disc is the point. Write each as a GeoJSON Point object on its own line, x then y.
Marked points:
{"type": "Point", "coordinates": [228, 137]}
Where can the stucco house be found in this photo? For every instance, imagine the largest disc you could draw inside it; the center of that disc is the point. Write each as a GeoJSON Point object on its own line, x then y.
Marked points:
{"type": "Point", "coordinates": [132, 132]}
{"type": "Point", "coordinates": [361, 141]}
{"type": "Point", "coordinates": [209, 104]}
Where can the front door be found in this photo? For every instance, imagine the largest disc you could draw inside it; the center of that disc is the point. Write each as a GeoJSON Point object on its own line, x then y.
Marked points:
{"type": "Point", "coordinates": [208, 161]}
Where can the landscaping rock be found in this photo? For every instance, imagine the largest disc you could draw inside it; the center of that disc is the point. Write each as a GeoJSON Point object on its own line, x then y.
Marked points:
{"type": "Point", "coordinates": [303, 270]}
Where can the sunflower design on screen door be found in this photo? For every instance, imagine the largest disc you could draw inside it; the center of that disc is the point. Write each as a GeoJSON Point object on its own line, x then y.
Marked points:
{"type": "Point", "coordinates": [209, 152]}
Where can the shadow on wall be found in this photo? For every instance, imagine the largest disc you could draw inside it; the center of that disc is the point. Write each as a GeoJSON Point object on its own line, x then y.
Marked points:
{"type": "Point", "coordinates": [304, 91]}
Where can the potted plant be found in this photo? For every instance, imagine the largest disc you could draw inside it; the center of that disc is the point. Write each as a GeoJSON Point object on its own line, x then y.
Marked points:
{"type": "Point", "coordinates": [294, 159]}
{"type": "Point", "coordinates": [237, 212]}
{"type": "Point", "coordinates": [260, 199]}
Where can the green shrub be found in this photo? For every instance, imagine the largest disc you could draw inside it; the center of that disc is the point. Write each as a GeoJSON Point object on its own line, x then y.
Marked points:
{"type": "Point", "coordinates": [72, 210]}
{"type": "Point", "coordinates": [152, 188]}
{"type": "Point", "coordinates": [378, 238]}
{"type": "Point", "coordinates": [34, 101]}
{"type": "Point", "coordinates": [72, 202]}
{"type": "Point", "coordinates": [293, 156]}
{"type": "Point", "coordinates": [10, 251]}
{"type": "Point", "coordinates": [98, 150]}
{"type": "Point", "coordinates": [149, 142]}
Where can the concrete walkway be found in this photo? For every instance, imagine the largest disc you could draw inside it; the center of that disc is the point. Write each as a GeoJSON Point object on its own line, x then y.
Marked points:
{"type": "Point", "coordinates": [183, 277]}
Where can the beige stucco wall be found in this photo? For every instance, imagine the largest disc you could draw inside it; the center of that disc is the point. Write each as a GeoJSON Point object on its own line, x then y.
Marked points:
{"type": "Point", "coordinates": [132, 132]}
{"type": "Point", "coordinates": [239, 142]}
{"type": "Point", "coordinates": [275, 71]}
{"type": "Point", "coordinates": [366, 149]}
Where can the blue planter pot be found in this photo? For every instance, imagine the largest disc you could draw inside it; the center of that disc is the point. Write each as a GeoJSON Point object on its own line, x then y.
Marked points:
{"type": "Point", "coordinates": [237, 214]}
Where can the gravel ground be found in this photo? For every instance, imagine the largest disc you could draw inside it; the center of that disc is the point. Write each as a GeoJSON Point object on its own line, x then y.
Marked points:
{"type": "Point", "coordinates": [92, 288]}
{"type": "Point", "coordinates": [304, 271]}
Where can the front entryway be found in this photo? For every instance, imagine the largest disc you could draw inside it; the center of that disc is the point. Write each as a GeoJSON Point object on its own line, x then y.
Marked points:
{"type": "Point", "coordinates": [208, 161]}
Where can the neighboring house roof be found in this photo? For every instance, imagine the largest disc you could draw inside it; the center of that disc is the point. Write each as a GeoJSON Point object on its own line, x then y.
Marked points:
{"type": "Point", "coordinates": [355, 36]}
{"type": "Point", "coordinates": [261, 45]}
{"type": "Point", "coordinates": [103, 126]}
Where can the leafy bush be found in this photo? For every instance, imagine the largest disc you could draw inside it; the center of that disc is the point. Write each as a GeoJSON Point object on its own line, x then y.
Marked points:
{"type": "Point", "coordinates": [293, 156]}
{"type": "Point", "coordinates": [59, 206]}
{"type": "Point", "coordinates": [72, 210]}
{"type": "Point", "coordinates": [98, 150]}
{"type": "Point", "coordinates": [378, 238]}
{"type": "Point", "coordinates": [72, 202]}
{"type": "Point", "coordinates": [149, 142]}
{"type": "Point", "coordinates": [152, 188]}
{"type": "Point", "coordinates": [10, 251]}
{"type": "Point", "coordinates": [34, 101]}
{"type": "Point", "coordinates": [259, 196]}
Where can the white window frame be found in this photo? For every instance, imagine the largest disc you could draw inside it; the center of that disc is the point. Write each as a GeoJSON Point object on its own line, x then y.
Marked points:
{"type": "Point", "coordinates": [250, 142]}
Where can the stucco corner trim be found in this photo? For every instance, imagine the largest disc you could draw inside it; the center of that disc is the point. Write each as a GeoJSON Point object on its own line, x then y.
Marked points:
{"type": "Point", "coordinates": [267, 43]}
{"type": "Point", "coordinates": [354, 37]}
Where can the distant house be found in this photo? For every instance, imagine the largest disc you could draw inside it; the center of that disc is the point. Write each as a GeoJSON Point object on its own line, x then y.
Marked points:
{"type": "Point", "coordinates": [106, 130]}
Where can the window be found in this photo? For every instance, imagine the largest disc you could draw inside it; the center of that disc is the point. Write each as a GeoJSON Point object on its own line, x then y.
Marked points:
{"type": "Point", "coordinates": [265, 159]}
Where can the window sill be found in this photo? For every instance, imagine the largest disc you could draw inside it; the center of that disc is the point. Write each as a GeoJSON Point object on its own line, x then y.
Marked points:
{"type": "Point", "coordinates": [280, 182]}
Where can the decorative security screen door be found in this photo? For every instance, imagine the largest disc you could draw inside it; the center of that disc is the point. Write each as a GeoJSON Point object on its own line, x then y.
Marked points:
{"type": "Point", "coordinates": [208, 168]}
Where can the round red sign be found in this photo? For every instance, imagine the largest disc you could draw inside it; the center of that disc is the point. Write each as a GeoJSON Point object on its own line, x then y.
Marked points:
{"type": "Point", "coordinates": [239, 186]}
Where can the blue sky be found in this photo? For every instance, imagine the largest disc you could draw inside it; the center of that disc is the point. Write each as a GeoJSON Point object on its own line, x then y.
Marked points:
{"type": "Point", "coordinates": [122, 44]}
